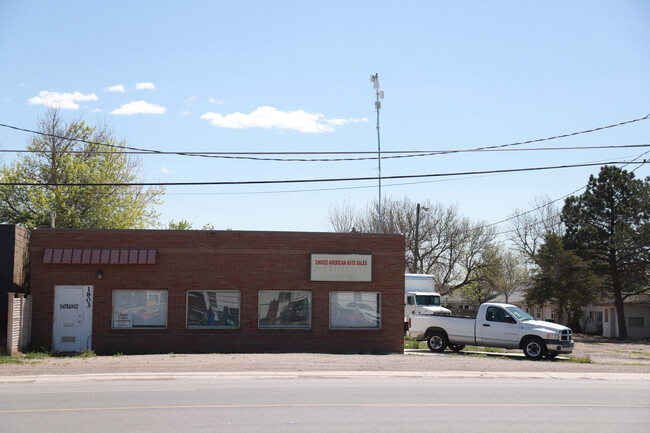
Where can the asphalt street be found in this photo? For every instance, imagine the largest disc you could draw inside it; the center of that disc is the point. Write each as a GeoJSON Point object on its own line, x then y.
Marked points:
{"type": "Point", "coordinates": [328, 404]}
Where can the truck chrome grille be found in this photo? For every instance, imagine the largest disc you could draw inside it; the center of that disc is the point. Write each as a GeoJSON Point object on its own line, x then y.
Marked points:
{"type": "Point", "coordinates": [565, 335]}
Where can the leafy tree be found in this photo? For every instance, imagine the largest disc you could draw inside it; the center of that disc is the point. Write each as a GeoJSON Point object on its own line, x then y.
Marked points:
{"type": "Point", "coordinates": [504, 272]}
{"type": "Point", "coordinates": [448, 245]}
{"type": "Point", "coordinates": [564, 279]}
{"type": "Point", "coordinates": [609, 226]}
{"type": "Point", "coordinates": [501, 272]}
{"type": "Point", "coordinates": [476, 292]}
{"type": "Point", "coordinates": [180, 225]}
{"type": "Point", "coordinates": [186, 225]}
{"type": "Point", "coordinates": [67, 162]}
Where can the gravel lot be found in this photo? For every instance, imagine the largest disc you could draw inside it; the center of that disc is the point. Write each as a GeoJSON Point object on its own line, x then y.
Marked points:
{"type": "Point", "coordinates": [607, 356]}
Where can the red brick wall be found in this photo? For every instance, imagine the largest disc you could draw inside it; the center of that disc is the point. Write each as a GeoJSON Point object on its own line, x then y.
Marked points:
{"type": "Point", "coordinates": [214, 260]}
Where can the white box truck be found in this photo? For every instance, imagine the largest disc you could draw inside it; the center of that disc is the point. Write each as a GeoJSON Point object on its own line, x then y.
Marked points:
{"type": "Point", "coordinates": [420, 297]}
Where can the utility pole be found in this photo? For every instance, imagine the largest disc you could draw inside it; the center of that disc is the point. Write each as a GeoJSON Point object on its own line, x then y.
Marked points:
{"type": "Point", "coordinates": [374, 79]}
{"type": "Point", "coordinates": [417, 237]}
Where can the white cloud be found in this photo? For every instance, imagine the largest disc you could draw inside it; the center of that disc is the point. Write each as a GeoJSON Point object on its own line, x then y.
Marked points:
{"type": "Point", "coordinates": [64, 101]}
{"type": "Point", "coordinates": [184, 113]}
{"type": "Point", "coordinates": [145, 86]}
{"type": "Point", "coordinates": [189, 101]}
{"type": "Point", "coordinates": [164, 170]}
{"type": "Point", "coordinates": [96, 110]}
{"type": "Point", "coordinates": [115, 88]}
{"type": "Point", "coordinates": [269, 117]}
{"type": "Point", "coordinates": [214, 100]}
{"type": "Point", "coordinates": [139, 107]}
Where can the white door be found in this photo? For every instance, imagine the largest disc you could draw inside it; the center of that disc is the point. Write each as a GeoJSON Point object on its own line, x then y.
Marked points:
{"type": "Point", "coordinates": [73, 318]}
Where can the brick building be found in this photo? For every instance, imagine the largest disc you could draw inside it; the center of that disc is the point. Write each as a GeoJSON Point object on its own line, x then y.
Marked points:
{"type": "Point", "coordinates": [160, 291]}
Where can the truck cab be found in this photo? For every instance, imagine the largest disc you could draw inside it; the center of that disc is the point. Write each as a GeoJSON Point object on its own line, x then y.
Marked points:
{"type": "Point", "coordinates": [422, 303]}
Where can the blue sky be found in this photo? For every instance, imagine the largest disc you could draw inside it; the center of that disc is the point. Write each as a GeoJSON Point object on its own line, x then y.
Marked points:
{"type": "Point", "coordinates": [294, 76]}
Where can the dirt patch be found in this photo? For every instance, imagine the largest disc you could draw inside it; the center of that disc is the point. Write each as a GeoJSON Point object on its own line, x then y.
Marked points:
{"type": "Point", "coordinates": [607, 356]}
{"type": "Point", "coordinates": [610, 351]}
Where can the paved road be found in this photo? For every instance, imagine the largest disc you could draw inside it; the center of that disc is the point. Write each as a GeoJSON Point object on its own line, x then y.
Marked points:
{"type": "Point", "coordinates": [328, 405]}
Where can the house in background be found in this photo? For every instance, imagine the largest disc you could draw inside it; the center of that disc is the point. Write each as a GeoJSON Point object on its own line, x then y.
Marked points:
{"type": "Point", "coordinates": [599, 318]}
{"type": "Point", "coordinates": [459, 306]}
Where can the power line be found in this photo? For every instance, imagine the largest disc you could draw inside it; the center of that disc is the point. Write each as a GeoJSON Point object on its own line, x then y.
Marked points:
{"type": "Point", "coordinates": [209, 155]}
{"type": "Point", "coordinates": [556, 200]}
{"type": "Point", "coordinates": [396, 154]}
{"type": "Point", "coordinates": [302, 181]}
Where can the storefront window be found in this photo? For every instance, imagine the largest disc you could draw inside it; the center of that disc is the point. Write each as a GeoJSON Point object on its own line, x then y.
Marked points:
{"type": "Point", "coordinates": [284, 309]}
{"type": "Point", "coordinates": [139, 309]}
{"type": "Point", "coordinates": [355, 310]}
{"type": "Point", "coordinates": [213, 308]}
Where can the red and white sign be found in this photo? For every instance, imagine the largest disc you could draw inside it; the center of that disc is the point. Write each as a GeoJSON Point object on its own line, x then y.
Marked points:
{"type": "Point", "coordinates": [122, 320]}
{"type": "Point", "coordinates": [341, 267]}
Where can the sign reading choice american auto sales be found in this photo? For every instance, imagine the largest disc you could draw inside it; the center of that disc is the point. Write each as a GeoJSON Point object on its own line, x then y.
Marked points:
{"type": "Point", "coordinates": [341, 267]}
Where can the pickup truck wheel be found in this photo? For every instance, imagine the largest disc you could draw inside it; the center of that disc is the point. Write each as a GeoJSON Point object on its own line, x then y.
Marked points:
{"type": "Point", "coordinates": [437, 342]}
{"type": "Point", "coordinates": [534, 349]}
{"type": "Point", "coordinates": [456, 347]}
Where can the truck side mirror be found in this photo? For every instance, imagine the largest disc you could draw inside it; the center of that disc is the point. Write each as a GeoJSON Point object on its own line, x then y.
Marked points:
{"type": "Point", "coordinates": [509, 319]}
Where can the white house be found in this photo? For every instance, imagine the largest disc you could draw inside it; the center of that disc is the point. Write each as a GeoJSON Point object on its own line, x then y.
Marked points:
{"type": "Point", "coordinates": [602, 318]}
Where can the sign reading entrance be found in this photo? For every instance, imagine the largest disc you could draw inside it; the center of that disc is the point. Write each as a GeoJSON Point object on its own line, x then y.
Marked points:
{"type": "Point", "coordinates": [341, 267]}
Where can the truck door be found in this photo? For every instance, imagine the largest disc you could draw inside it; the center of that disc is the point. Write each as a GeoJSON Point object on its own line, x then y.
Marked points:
{"type": "Point", "coordinates": [498, 329]}
{"type": "Point", "coordinates": [410, 306]}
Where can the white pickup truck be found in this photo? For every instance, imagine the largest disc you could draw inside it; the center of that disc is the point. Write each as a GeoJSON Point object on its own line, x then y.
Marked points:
{"type": "Point", "coordinates": [496, 325]}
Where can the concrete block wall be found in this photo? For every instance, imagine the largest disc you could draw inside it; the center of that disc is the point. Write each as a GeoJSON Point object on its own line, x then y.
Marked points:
{"type": "Point", "coordinates": [221, 260]}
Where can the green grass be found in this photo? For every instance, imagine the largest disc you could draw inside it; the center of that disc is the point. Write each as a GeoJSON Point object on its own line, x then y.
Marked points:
{"type": "Point", "coordinates": [6, 359]}
{"type": "Point", "coordinates": [410, 343]}
{"type": "Point", "coordinates": [86, 354]}
{"type": "Point", "coordinates": [36, 355]}
{"type": "Point", "coordinates": [580, 359]}
{"type": "Point", "coordinates": [32, 357]}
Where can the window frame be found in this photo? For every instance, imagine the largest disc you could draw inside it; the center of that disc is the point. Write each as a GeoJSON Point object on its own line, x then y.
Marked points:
{"type": "Point", "coordinates": [282, 297]}
{"type": "Point", "coordinates": [636, 322]}
{"type": "Point", "coordinates": [357, 298]}
{"type": "Point", "coordinates": [147, 292]}
{"type": "Point", "coordinates": [187, 309]}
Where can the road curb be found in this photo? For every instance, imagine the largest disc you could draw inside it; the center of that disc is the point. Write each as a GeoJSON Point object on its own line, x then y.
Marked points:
{"type": "Point", "coordinates": [46, 378]}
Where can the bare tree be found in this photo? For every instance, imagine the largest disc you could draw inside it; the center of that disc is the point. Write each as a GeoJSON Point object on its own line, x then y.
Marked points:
{"type": "Point", "coordinates": [343, 217]}
{"type": "Point", "coordinates": [529, 228]}
{"type": "Point", "coordinates": [448, 245]}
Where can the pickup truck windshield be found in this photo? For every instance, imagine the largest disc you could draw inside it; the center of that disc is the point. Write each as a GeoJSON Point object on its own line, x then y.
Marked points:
{"type": "Point", "coordinates": [521, 315]}
{"type": "Point", "coordinates": [427, 300]}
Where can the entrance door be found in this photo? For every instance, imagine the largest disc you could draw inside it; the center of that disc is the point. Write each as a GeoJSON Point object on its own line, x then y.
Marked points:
{"type": "Point", "coordinates": [73, 317]}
